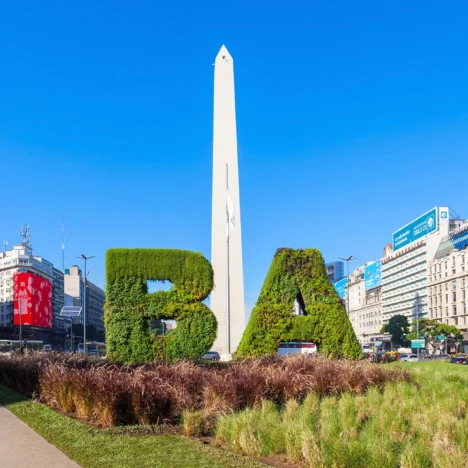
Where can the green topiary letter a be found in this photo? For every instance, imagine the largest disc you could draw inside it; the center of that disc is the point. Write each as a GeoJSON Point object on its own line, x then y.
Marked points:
{"type": "Point", "coordinates": [301, 275]}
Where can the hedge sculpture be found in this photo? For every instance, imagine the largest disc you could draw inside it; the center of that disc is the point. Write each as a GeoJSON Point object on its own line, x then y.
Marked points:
{"type": "Point", "coordinates": [129, 306]}
{"type": "Point", "coordinates": [301, 275]}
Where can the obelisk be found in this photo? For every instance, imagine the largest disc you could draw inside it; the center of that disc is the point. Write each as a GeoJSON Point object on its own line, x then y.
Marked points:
{"type": "Point", "coordinates": [227, 297]}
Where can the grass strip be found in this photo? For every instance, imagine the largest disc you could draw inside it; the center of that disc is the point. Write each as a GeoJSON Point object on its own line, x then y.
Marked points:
{"type": "Point", "coordinates": [92, 447]}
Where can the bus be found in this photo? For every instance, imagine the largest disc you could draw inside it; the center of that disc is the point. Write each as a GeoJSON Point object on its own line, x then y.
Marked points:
{"type": "Point", "coordinates": [14, 345]}
{"type": "Point", "coordinates": [93, 348]}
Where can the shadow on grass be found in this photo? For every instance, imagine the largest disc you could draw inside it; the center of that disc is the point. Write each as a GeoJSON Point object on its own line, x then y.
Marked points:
{"type": "Point", "coordinates": [8, 397]}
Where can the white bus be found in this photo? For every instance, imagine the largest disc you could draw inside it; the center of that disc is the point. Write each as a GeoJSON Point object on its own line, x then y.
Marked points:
{"type": "Point", "coordinates": [296, 347]}
{"type": "Point", "coordinates": [93, 348]}
{"type": "Point", "coordinates": [14, 345]}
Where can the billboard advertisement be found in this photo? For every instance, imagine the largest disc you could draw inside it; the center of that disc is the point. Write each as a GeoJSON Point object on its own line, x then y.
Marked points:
{"type": "Point", "coordinates": [373, 275]}
{"type": "Point", "coordinates": [340, 287]}
{"type": "Point", "coordinates": [33, 300]}
{"type": "Point", "coordinates": [413, 231]}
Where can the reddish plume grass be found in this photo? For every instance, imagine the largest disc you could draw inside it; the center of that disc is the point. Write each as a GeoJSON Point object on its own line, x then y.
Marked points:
{"type": "Point", "coordinates": [109, 394]}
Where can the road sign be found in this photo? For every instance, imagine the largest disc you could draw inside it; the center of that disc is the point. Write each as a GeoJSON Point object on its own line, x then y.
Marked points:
{"type": "Point", "coordinates": [418, 344]}
{"type": "Point", "coordinates": [441, 337]}
{"type": "Point", "coordinates": [70, 311]}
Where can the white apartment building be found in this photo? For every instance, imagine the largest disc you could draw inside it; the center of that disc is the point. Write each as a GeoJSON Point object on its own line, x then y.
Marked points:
{"type": "Point", "coordinates": [365, 306]}
{"type": "Point", "coordinates": [448, 281]}
{"type": "Point", "coordinates": [20, 259]}
{"type": "Point", "coordinates": [405, 270]}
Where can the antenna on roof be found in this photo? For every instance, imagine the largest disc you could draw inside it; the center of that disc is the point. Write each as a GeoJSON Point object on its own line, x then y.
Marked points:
{"type": "Point", "coordinates": [5, 243]}
{"type": "Point", "coordinates": [25, 234]}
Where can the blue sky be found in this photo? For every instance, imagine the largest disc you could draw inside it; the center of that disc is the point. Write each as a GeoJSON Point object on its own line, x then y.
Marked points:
{"type": "Point", "coordinates": [352, 121]}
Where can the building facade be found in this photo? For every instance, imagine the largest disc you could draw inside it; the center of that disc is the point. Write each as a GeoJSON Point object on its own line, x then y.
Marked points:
{"type": "Point", "coordinates": [95, 297]}
{"type": "Point", "coordinates": [19, 261]}
{"type": "Point", "coordinates": [405, 270]}
{"type": "Point", "coordinates": [448, 281]}
{"type": "Point", "coordinates": [335, 271]}
{"type": "Point", "coordinates": [365, 302]}
{"type": "Point", "coordinates": [58, 301]}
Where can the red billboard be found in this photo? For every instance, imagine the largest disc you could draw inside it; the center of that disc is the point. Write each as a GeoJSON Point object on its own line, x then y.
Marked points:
{"type": "Point", "coordinates": [33, 297]}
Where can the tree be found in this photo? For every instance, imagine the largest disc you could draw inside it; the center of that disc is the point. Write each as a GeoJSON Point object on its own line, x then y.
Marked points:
{"type": "Point", "coordinates": [397, 327]}
{"type": "Point", "coordinates": [431, 329]}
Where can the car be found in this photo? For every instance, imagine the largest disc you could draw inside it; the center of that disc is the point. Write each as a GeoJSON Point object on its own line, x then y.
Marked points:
{"type": "Point", "coordinates": [413, 358]}
{"type": "Point", "coordinates": [211, 356]}
{"type": "Point", "coordinates": [403, 357]}
{"type": "Point", "coordinates": [459, 360]}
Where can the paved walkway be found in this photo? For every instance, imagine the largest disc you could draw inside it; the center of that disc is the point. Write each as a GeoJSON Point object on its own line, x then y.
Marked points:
{"type": "Point", "coordinates": [21, 447]}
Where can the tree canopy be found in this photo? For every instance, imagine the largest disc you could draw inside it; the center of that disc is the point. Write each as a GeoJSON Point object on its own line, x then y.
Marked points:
{"type": "Point", "coordinates": [397, 327]}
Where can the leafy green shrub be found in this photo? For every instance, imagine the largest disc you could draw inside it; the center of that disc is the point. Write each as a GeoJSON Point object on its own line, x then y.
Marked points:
{"type": "Point", "coordinates": [301, 275]}
{"type": "Point", "coordinates": [129, 307]}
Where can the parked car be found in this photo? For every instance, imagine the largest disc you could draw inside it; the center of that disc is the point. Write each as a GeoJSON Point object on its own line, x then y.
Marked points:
{"type": "Point", "coordinates": [459, 360]}
{"type": "Point", "coordinates": [413, 358]}
{"type": "Point", "coordinates": [403, 357]}
{"type": "Point", "coordinates": [212, 356]}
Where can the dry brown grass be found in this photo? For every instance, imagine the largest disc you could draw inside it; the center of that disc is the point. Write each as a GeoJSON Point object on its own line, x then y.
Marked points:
{"type": "Point", "coordinates": [108, 395]}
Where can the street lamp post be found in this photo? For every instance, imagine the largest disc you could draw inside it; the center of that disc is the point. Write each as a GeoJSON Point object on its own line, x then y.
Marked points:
{"type": "Point", "coordinates": [85, 258]}
{"type": "Point", "coordinates": [347, 260]}
{"type": "Point", "coordinates": [418, 303]}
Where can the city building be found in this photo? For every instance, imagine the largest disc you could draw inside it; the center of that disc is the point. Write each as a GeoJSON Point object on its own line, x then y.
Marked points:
{"type": "Point", "coordinates": [448, 281]}
{"type": "Point", "coordinates": [365, 302]}
{"type": "Point", "coordinates": [95, 297]}
{"type": "Point", "coordinates": [59, 323]}
{"type": "Point", "coordinates": [335, 271]}
{"type": "Point", "coordinates": [25, 281]}
{"type": "Point", "coordinates": [405, 269]}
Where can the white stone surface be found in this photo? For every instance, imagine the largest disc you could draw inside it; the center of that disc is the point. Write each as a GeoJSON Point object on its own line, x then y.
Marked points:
{"type": "Point", "coordinates": [225, 156]}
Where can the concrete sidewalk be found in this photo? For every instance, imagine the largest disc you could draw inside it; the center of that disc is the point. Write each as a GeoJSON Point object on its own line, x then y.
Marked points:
{"type": "Point", "coordinates": [21, 447]}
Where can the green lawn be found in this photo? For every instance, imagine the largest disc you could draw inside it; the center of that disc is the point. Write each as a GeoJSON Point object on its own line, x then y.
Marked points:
{"type": "Point", "coordinates": [92, 447]}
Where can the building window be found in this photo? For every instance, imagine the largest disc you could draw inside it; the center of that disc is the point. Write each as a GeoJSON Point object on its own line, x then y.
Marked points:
{"type": "Point", "coordinates": [446, 265]}
{"type": "Point", "coordinates": [446, 298]}
{"type": "Point", "coordinates": [454, 284]}
{"type": "Point", "coordinates": [456, 320]}
{"type": "Point", "coordinates": [454, 310]}
{"type": "Point", "coordinates": [446, 286]}
{"type": "Point", "coordinates": [446, 311]}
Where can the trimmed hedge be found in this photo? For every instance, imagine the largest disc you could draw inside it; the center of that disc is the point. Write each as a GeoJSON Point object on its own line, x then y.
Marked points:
{"type": "Point", "coordinates": [298, 274]}
{"type": "Point", "coordinates": [129, 307]}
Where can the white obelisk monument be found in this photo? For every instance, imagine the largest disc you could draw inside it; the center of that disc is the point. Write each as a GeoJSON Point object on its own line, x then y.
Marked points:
{"type": "Point", "coordinates": [227, 297]}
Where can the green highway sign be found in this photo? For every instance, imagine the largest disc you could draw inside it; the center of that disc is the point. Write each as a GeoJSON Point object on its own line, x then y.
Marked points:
{"type": "Point", "coordinates": [418, 344]}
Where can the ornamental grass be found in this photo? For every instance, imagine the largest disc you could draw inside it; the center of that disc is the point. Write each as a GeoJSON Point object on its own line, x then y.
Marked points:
{"type": "Point", "coordinates": [106, 394]}
{"type": "Point", "coordinates": [401, 424]}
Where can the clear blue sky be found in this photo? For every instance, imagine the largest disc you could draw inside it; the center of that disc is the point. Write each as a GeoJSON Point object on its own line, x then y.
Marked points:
{"type": "Point", "coordinates": [352, 121]}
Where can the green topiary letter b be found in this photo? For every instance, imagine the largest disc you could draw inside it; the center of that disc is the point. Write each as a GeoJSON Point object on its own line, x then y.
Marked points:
{"type": "Point", "coordinates": [129, 306]}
